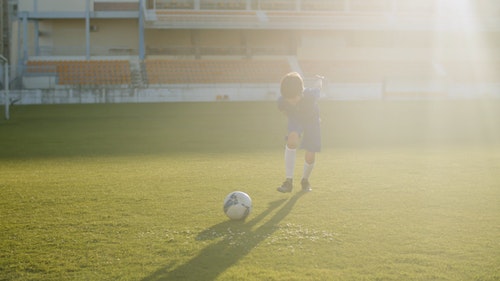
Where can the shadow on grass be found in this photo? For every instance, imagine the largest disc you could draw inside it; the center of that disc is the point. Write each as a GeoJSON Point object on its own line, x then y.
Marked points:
{"type": "Point", "coordinates": [238, 239]}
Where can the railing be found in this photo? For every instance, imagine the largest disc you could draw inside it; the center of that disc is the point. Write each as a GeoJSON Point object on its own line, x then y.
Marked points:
{"type": "Point", "coordinates": [214, 51]}
{"type": "Point", "coordinates": [294, 5]}
{"type": "Point", "coordinates": [94, 51]}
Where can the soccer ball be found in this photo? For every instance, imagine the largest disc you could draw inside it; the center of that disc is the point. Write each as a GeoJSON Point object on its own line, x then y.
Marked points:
{"type": "Point", "coordinates": [237, 205]}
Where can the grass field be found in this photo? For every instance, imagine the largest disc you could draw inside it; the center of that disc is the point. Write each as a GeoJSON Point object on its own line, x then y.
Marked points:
{"type": "Point", "coordinates": [402, 191]}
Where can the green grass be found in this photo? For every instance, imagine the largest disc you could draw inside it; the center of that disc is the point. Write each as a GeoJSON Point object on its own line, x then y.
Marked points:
{"type": "Point", "coordinates": [402, 191]}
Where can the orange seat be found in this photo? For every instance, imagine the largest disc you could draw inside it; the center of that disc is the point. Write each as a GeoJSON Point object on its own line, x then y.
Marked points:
{"type": "Point", "coordinates": [77, 72]}
{"type": "Point", "coordinates": [215, 71]}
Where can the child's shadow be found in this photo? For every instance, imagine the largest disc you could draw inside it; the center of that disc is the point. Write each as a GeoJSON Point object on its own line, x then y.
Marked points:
{"type": "Point", "coordinates": [237, 240]}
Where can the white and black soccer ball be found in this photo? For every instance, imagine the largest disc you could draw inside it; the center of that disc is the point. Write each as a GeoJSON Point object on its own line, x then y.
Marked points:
{"type": "Point", "coordinates": [237, 205]}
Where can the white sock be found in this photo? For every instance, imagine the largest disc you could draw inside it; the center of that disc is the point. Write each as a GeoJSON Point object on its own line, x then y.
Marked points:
{"type": "Point", "coordinates": [289, 161]}
{"type": "Point", "coordinates": [307, 170]}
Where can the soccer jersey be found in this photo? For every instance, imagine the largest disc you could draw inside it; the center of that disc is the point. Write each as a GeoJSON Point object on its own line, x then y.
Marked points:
{"type": "Point", "coordinates": [304, 118]}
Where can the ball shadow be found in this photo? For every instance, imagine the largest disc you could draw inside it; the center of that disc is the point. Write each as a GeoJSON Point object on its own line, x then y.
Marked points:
{"type": "Point", "coordinates": [237, 240]}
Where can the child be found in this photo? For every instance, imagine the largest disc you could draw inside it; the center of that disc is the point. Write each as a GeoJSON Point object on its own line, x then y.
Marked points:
{"type": "Point", "coordinates": [301, 107]}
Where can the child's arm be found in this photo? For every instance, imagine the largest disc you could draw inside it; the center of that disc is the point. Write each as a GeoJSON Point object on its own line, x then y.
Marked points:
{"type": "Point", "coordinates": [319, 82]}
{"type": "Point", "coordinates": [282, 104]}
{"type": "Point", "coordinates": [315, 92]}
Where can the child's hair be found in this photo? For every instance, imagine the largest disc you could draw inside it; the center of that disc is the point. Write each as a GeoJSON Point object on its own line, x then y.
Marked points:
{"type": "Point", "coordinates": [292, 85]}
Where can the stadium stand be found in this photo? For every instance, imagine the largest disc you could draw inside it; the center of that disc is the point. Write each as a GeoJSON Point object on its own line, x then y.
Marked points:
{"type": "Point", "coordinates": [186, 17]}
{"type": "Point", "coordinates": [366, 71]}
{"type": "Point", "coordinates": [318, 19]}
{"type": "Point", "coordinates": [214, 71]}
{"type": "Point", "coordinates": [473, 72]}
{"type": "Point", "coordinates": [116, 6]}
{"type": "Point", "coordinates": [223, 5]}
{"type": "Point", "coordinates": [74, 72]}
{"type": "Point", "coordinates": [174, 44]}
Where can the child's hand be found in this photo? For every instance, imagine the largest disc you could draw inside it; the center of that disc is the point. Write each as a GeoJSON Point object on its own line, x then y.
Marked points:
{"type": "Point", "coordinates": [319, 82]}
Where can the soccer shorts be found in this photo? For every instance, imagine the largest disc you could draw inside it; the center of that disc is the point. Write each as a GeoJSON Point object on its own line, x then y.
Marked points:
{"type": "Point", "coordinates": [310, 133]}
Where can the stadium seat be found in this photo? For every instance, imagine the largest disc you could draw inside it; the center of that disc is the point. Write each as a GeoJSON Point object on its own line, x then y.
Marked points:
{"type": "Point", "coordinates": [215, 71]}
{"type": "Point", "coordinates": [473, 72]}
{"type": "Point", "coordinates": [77, 72]}
{"type": "Point", "coordinates": [365, 71]}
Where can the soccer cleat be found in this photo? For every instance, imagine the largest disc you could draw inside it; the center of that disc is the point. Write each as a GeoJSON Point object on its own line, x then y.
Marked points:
{"type": "Point", "coordinates": [306, 186]}
{"type": "Point", "coordinates": [286, 187]}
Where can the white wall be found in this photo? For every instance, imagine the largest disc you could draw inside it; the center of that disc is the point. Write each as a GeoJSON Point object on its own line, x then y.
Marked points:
{"type": "Point", "coordinates": [234, 92]}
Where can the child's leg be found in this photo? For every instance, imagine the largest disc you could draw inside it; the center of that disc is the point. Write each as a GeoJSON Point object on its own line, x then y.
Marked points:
{"type": "Point", "coordinates": [312, 144]}
{"type": "Point", "coordinates": [308, 167]}
{"type": "Point", "coordinates": [310, 158]}
{"type": "Point", "coordinates": [290, 154]}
